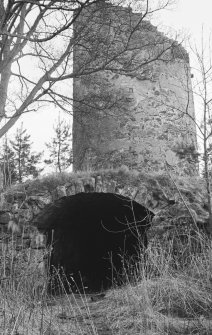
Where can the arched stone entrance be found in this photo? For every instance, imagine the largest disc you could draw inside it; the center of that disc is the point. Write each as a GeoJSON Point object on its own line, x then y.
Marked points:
{"type": "Point", "coordinates": [92, 237]}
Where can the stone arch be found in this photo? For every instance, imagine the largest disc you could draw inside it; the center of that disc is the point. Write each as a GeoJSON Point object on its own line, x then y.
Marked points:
{"type": "Point", "coordinates": [105, 220]}
{"type": "Point", "coordinates": [97, 183]}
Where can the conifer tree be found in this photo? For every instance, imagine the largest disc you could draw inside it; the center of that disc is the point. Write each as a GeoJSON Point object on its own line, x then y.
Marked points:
{"type": "Point", "coordinates": [24, 159]}
{"type": "Point", "coordinates": [60, 153]}
{"type": "Point", "coordinates": [7, 162]}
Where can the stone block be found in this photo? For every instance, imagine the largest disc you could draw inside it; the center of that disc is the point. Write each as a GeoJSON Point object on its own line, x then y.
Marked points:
{"type": "Point", "coordinates": [5, 217]}
{"type": "Point", "coordinates": [61, 191]}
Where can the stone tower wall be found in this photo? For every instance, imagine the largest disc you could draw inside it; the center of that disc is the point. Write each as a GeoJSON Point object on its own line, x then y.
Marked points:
{"type": "Point", "coordinates": [137, 109]}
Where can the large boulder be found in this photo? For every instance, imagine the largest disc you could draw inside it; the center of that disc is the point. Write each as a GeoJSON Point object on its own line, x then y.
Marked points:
{"type": "Point", "coordinates": [92, 234]}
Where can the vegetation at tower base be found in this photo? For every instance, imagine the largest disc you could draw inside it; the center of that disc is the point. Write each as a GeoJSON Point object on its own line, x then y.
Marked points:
{"type": "Point", "coordinates": [134, 110]}
{"type": "Point", "coordinates": [155, 191]}
{"type": "Point", "coordinates": [172, 297]}
{"type": "Point", "coordinates": [172, 293]}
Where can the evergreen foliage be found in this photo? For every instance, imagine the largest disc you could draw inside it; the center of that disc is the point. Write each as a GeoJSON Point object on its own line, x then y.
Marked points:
{"type": "Point", "coordinates": [8, 164]}
{"type": "Point", "coordinates": [60, 153]}
{"type": "Point", "coordinates": [18, 160]}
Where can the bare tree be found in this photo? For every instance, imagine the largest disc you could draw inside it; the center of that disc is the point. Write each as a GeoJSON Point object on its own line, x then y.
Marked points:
{"type": "Point", "coordinates": [47, 32]}
{"type": "Point", "coordinates": [199, 124]}
{"type": "Point", "coordinates": [202, 89]}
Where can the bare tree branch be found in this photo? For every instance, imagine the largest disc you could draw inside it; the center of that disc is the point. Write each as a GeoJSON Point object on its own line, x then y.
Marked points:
{"type": "Point", "coordinates": [48, 31]}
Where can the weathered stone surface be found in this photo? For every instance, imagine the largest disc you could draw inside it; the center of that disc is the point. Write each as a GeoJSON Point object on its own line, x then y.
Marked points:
{"type": "Point", "coordinates": [155, 192]}
{"type": "Point", "coordinates": [70, 189]}
{"type": "Point", "coordinates": [89, 184]}
{"type": "Point", "coordinates": [79, 187]}
{"type": "Point", "coordinates": [39, 199]}
{"type": "Point", "coordinates": [21, 208]}
{"type": "Point", "coordinates": [61, 191]}
{"type": "Point", "coordinates": [13, 227]}
{"type": "Point", "coordinates": [5, 217]}
{"type": "Point", "coordinates": [99, 184]}
{"type": "Point", "coordinates": [150, 116]}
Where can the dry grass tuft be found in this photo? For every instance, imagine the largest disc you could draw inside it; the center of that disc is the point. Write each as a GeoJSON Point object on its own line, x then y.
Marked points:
{"type": "Point", "coordinates": [160, 297]}
{"type": "Point", "coordinates": [168, 299]}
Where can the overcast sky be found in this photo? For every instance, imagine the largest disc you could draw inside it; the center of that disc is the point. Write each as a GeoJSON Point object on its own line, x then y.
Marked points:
{"type": "Point", "coordinates": [187, 16]}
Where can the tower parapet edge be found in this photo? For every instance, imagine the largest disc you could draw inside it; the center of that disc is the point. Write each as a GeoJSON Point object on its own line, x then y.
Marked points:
{"type": "Point", "coordinates": [140, 105]}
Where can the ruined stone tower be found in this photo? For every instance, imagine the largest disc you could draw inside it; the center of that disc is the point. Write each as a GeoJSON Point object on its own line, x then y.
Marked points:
{"type": "Point", "coordinates": [138, 105]}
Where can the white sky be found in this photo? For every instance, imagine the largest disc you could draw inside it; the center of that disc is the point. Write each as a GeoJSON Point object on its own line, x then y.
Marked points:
{"type": "Point", "coordinates": [187, 16]}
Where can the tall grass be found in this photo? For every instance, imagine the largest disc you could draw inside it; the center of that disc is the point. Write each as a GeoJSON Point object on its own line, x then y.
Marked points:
{"type": "Point", "coordinates": [169, 292]}
{"type": "Point", "coordinates": [26, 308]}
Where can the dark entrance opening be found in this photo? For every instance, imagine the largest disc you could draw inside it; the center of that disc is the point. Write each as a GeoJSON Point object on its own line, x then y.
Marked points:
{"type": "Point", "coordinates": [91, 235]}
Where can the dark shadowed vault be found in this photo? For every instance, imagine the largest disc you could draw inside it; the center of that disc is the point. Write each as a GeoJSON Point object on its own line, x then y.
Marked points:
{"type": "Point", "coordinates": [92, 234]}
